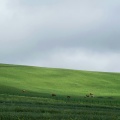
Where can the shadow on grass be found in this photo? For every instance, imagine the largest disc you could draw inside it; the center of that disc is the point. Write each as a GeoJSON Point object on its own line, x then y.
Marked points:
{"type": "Point", "coordinates": [43, 104]}
{"type": "Point", "coordinates": [7, 90]}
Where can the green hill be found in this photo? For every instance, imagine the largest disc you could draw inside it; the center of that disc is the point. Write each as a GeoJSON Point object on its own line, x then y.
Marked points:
{"type": "Point", "coordinates": [59, 81]}
{"type": "Point", "coordinates": [25, 93]}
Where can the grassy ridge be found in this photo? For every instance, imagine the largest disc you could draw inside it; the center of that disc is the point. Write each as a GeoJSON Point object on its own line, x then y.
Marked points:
{"type": "Point", "coordinates": [37, 103]}
{"type": "Point", "coordinates": [60, 81]}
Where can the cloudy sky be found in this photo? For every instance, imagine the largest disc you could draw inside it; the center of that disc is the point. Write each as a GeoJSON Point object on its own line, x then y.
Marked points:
{"type": "Point", "coordinates": [74, 34]}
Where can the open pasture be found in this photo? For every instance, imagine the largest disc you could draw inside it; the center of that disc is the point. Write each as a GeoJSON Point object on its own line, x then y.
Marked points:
{"type": "Point", "coordinates": [26, 94]}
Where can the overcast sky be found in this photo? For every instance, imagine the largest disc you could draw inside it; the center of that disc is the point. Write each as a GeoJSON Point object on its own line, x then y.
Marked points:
{"type": "Point", "coordinates": [74, 34]}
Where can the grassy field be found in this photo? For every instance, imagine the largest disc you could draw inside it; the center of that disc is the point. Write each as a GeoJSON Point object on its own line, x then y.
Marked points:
{"type": "Point", "coordinates": [39, 83]}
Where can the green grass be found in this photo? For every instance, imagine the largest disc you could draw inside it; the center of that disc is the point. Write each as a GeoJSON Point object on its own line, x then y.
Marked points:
{"type": "Point", "coordinates": [40, 83]}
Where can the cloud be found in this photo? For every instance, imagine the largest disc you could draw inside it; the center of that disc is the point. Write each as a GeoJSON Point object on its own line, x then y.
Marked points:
{"type": "Point", "coordinates": [39, 30]}
{"type": "Point", "coordinates": [78, 59]}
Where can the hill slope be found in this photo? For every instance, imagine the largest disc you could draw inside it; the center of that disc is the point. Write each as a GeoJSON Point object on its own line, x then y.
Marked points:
{"type": "Point", "coordinates": [58, 81]}
{"type": "Point", "coordinates": [36, 102]}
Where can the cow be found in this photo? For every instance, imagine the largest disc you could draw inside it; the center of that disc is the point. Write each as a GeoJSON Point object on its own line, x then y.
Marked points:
{"type": "Point", "coordinates": [53, 95]}
{"type": "Point", "coordinates": [23, 91]}
{"type": "Point", "coordinates": [87, 95]}
{"type": "Point", "coordinates": [91, 95]}
{"type": "Point", "coordinates": [68, 97]}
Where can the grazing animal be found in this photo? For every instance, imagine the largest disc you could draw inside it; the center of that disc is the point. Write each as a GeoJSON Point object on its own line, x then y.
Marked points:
{"type": "Point", "coordinates": [87, 95]}
{"type": "Point", "coordinates": [91, 95]}
{"type": "Point", "coordinates": [53, 95]}
{"type": "Point", "coordinates": [68, 97]}
{"type": "Point", "coordinates": [23, 90]}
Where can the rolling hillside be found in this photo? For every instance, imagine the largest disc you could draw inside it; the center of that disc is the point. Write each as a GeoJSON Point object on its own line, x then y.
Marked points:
{"type": "Point", "coordinates": [59, 81]}
{"type": "Point", "coordinates": [25, 94]}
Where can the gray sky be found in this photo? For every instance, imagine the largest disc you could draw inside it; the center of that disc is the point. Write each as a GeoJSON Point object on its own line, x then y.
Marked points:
{"type": "Point", "coordinates": [75, 34]}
